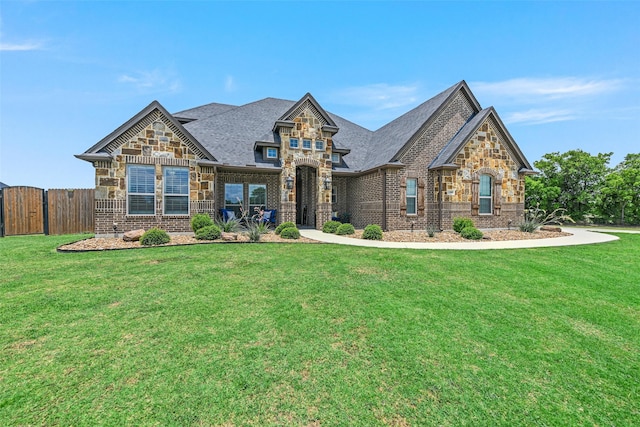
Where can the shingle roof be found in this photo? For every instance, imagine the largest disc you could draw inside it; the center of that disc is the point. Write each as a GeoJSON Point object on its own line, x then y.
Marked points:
{"type": "Point", "coordinates": [389, 140]}
{"type": "Point", "coordinates": [2, 185]}
{"type": "Point", "coordinates": [203, 111]}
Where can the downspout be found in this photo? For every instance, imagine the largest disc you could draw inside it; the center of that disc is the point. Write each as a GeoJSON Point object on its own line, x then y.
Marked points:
{"type": "Point", "coordinates": [440, 199]}
{"type": "Point", "coordinates": [384, 199]}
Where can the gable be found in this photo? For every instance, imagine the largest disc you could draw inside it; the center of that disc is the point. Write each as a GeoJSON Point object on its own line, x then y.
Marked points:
{"type": "Point", "coordinates": [309, 107]}
{"type": "Point", "coordinates": [475, 132]}
{"type": "Point", "coordinates": [143, 123]}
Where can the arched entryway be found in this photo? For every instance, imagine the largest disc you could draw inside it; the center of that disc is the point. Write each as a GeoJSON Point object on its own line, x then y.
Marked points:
{"type": "Point", "coordinates": [306, 196]}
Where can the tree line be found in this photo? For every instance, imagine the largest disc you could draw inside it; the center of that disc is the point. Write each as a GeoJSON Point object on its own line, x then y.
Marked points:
{"type": "Point", "coordinates": [585, 185]}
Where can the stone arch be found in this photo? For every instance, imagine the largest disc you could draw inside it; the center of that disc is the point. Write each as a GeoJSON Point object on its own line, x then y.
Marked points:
{"type": "Point", "coordinates": [306, 161]}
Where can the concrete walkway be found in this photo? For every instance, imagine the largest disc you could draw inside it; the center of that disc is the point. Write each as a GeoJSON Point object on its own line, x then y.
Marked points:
{"type": "Point", "coordinates": [580, 236]}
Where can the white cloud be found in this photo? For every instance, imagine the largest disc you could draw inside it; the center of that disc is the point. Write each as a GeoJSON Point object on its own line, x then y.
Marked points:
{"type": "Point", "coordinates": [20, 47]}
{"type": "Point", "coordinates": [229, 84]}
{"type": "Point", "coordinates": [535, 89]}
{"type": "Point", "coordinates": [152, 81]}
{"type": "Point", "coordinates": [535, 101]}
{"type": "Point", "coordinates": [380, 96]}
{"type": "Point", "coordinates": [536, 116]}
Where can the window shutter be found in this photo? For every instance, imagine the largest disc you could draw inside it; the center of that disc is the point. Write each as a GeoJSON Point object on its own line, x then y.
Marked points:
{"type": "Point", "coordinates": [497, 195]}
{"type": "Point", "coordinates": [475, 194]}
{"type": "Point", "coordinates": [420, 197]}
{"type": "Point", "coordinates": [403, 196]}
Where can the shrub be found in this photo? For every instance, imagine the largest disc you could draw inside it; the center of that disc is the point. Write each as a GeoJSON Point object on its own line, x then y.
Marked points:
{"type": "Point", "coordinates": [345, 229]}
{"type": "Point", "coordinates": [536, 217]}
{"type": "Point", "coordinates": [200, 220]}
{"type": "Point", "coordinates": [330, 227]}
{"type": "Point", "coordinates": [229, 226]}
{"type": "Point", "coordinates": [256, 229]}
{"type": "Point", "coordinates": [154, 236]}
{"type": "Point", "coordinates": [372, 232]}
{"type": "Point", "coordinates": [290, 233]}
{"type": "Point", "coordinates": [528, 226]}
{"type": "Point", "coordinates": [460, 223]}
{"type": "Point", "coordinates": [209, 232]}
{"type": "Point", "coordinates": [284, 225]}
{"type": "Point", "coordinates": [345, 217]}
{"type": "Point", "coordinates": [471, 233]}
{"type": "Point", "coordinates": [431, 230]}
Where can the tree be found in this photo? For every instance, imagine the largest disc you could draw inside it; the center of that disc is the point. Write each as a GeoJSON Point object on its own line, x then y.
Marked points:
{"type": "Point", "coordinates": [620, 196]}
{"type": "Point", "coordinates": [572, 180]}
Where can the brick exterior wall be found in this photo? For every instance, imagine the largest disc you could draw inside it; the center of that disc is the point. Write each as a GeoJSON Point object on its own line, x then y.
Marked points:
{"type": "Point", "coordinates": [272, 181]}
{"type": "Point", "coordinates": [152, 141]}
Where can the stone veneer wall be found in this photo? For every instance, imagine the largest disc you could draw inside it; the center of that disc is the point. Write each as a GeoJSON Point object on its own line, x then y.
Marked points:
{"type": "Point", "coordinates": [307, 125]}
{"type": "Point", "coordinates": [152, 141]}
{"type": "Point", "coordinates": [485, 152]}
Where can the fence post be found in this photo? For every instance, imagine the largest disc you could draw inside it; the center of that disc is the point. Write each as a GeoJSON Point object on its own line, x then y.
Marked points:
{"type": "Point", "coordinates": [45, 211]}
{"type": "Point", "coordinates": [1, 212]}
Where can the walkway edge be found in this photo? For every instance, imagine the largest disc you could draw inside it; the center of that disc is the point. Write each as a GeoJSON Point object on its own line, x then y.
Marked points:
{"type": "Point", "coordinates": [579, 236]}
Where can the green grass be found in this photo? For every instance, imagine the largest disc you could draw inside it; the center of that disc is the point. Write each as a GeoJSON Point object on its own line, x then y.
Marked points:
{"type": "Point", "coordinates": [294, 334]}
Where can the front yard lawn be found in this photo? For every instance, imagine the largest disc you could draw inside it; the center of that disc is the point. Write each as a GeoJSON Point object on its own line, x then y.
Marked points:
{"type": "Point", "coordinates": [274, 334]}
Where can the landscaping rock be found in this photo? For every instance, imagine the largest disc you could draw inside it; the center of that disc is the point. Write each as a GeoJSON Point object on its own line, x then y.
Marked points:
{"type": "Point", "coordinates": [133, 235]}
{"type": "Point", "coordinates": [552, 228]}
{"type": "Point", "coordinates": [229, 237]}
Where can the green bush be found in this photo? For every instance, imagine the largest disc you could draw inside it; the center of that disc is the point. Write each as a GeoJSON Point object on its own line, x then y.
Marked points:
{"type": "Point", "coordinates": [345, 229]}
{"type": "Point", "coordinates": [209, 232]}
{"type": "Point", "coordinates": [200, 220]}
{"type": "Point", "coordinates": [284, 225]}
{"type": "Point", "coordinates": [229, 226]}
{"type": "Point", "coordinates": [529, 226]}
{"type": "Point", "coordinates": [154, 236]}
{"type": "Point", "coordinates": [372, 232]}
{"type": "Point", "coordinates": [471, 233]}
{"type": "Point", "coordinates": [290, 233]}
{"type": "Point", "coordinates": [330, 227]}
{"type": "Point", "coordinates": [461, 223]}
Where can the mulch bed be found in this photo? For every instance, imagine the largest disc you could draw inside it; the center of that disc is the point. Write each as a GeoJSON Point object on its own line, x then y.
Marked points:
{"type": "Point", "coordinates": [113, 243]}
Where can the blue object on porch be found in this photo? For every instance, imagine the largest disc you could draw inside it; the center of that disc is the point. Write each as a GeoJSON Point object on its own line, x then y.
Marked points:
{"type": "Point", "coordinates": [227, 214]}
{"type": "Point", "coordinates": [270, 216]}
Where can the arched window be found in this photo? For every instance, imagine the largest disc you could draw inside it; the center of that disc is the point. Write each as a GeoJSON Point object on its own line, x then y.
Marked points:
{"type": "Point", "coordinates": [486, 195]}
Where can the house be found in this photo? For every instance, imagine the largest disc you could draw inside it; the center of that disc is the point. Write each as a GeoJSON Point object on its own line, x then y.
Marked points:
{"type": "Point", "coordinates": [446, 158]}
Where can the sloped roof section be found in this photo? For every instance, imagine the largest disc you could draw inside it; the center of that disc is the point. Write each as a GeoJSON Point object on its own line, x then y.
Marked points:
{"type": "Point", "coordinates": [451, 150]}
{"type": "Point", "coordinates": [388, 141]}
{"type": "Point", "coordinates": [3, 185]}
{"type": "Point", "coordinates": [203, 111]}
{"type": "Point", "coordinates": [104, 148]}
{"type": "Point", "coordinates": [297, 108]}
{"type": "Point", "coordinates": [231, 135]}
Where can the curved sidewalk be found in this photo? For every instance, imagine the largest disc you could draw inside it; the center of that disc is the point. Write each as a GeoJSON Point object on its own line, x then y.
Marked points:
{"type": "Point", "coordinates": [580, 236]}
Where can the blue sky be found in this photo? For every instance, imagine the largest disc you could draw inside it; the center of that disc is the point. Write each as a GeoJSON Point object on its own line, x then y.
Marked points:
{"type": "Point", "coordinates": [561, 75]}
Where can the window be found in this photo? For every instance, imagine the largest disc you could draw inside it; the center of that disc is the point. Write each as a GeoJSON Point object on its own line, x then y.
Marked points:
{"type": "Point", "coordinates": [272, 153]}
{"type": "Point", "coordinates": [334, 195]}
{"type": "Point", "coordinates": [319, 145]}
{"type": "Point", "coordinates": [306, 144]}
{"type": "Point", "coordinates": [141, 195]}
{"type": "Point", "coordinates": [412, 196]}
{"type": "Point", "coordinates": [293, 143]}
{"type": "Point", "coordinates": [485, 194]}
{"type": "Point", "coordinates": [335, 158]}
{"type": "Point", "coordinates": [233, 197]}
{"type": "Point", "coordinates": [257, 198]}
{"type": "Point", "coordinates": [176, 191]}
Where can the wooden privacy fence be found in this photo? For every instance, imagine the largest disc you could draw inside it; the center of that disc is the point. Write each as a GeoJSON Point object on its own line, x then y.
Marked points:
{"type": "Point", "coordinates": [29, 210]}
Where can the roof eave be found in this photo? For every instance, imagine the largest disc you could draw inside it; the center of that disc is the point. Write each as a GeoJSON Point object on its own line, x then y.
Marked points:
{"type": "Point", "coordinates": [446, 166]}
{"type": "Point", "coordinates": [94, 157]}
